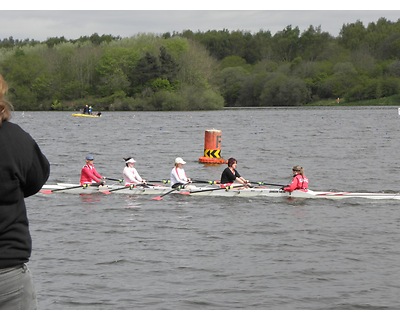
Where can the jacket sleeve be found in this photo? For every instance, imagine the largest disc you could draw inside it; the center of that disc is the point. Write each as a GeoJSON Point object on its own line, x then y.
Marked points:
{"type": "Point", "coordinates": [97, 175]}
{"type": "Point", "coordinates": [293, 185]}
{"type": "Point", "coordinates": [38, 172]}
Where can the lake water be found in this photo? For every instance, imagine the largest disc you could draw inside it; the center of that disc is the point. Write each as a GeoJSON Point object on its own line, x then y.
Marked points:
{"type": "Point", "coordinates": [134, 253]}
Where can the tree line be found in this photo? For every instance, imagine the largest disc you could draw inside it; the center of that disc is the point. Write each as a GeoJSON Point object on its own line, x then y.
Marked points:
{"type": "Point", "coordinates": [205, 70]}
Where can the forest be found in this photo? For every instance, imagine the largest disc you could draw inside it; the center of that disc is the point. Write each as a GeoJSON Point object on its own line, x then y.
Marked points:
{"type": "Point", "coordinates": [206, 70]}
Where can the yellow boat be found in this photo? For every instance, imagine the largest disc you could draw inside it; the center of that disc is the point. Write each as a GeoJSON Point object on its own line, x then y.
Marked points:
{"type": "Point", "coordinates": [84, 115]}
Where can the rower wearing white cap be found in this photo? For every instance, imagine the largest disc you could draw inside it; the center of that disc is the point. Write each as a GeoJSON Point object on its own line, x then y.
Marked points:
{"type": "Point", "coordinates": [131, 175]}
{"type": "Point", "coordinates": [178, 175]}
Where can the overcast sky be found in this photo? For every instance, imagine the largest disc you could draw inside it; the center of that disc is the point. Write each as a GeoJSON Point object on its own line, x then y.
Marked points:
{"type": "Point", "coordinates": [38, 21]}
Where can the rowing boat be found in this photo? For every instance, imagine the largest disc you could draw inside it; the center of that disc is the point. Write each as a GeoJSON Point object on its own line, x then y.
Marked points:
{"type": "Point", "coordinates": [234, 191]}
{"type": "Point", "coordinates": [78, 189]}
{"type": "Point", "coordinates": [278, 193]}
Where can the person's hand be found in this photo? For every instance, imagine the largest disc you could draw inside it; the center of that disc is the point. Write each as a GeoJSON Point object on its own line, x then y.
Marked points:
{"type": "Point", "coordinates": [282, 188]}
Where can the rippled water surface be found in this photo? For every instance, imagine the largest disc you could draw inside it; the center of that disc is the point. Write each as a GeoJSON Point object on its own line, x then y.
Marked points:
{"type": "Point", "coordinates": [131, 252]}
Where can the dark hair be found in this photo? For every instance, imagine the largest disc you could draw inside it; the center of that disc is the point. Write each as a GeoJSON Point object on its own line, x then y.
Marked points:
{"type": "Point", "coordinates": [231, 161]}
{"type": "Point", "coordinates": [126, 159]}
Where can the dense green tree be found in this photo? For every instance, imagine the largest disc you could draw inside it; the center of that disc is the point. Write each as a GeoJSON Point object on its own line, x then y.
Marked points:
{"type": "Point", "coordinates": [312, 43]}
{"type": "Point", "coordinates": [168, 67]}
{"type": "Point", "coordinates": [286, 43]}
{"type": "Point", "coordinates": [204, 70]}
{"type": "Point", "coordinates": [230, 81]}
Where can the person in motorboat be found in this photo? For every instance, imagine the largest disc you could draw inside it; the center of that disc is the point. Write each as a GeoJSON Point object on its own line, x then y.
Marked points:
{"type": "Point", "coordinates": [231, 175]}
{"type": "Point", "coordinates": [89, 174]}
{"type": "Point", "coordinates": [131, 175]}
{"type": "Point", "coordinates": [178, 176]}
{"type": "Point", "coordinates": [299, 181]}
{"type": "Point", "coordinates": [86, 109]}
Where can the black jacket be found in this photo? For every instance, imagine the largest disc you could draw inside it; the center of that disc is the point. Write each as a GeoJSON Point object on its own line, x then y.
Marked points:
{"type": "Point", "coordinates": [23, 172]}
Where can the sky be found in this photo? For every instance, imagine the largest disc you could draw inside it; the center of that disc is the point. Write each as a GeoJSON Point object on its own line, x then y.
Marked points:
{"type": "Point", "coordinates": [40, 21]}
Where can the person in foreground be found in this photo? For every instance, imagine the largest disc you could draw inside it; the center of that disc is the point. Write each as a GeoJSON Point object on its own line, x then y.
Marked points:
{"type": "Point", "coordinates": [231, 175]}
{"type": "Point", "coordinates": [89, 174]}
{"type": "Point", "coordinates": [23, 171]}
{"type": "Point", "coordinates": [299, 182]}
{"type": "Point", "coordinates": [131, 175]}
{"type": "Point", "coordinates": [178, 176]}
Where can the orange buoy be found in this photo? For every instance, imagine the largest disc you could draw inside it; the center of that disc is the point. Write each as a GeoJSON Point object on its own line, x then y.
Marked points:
{"type": "Point", "coordinates": [212, 147]}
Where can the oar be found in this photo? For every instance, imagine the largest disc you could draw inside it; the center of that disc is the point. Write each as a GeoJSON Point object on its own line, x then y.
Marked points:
{"type": "Point", "coordinates": [221, 187]}
{"type": "Point", "coordinates": [167, 193]}
{"type": "Point", "coordinates": [45, 191]}
{"type": "Point", "coordinates": [122, 188]}
{"type": "Point", "coordinates": [206, 181]}
{"type": "Point", "coordinates": [260, 183]}
{"type": "Point", "coordinates": [164, 181]}
{"type": "Point", "coordinates": [113, 179]}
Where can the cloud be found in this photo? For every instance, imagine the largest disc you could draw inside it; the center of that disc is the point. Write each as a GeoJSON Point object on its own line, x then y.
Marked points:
{"type": "Point", "coordinates": [72, 24]}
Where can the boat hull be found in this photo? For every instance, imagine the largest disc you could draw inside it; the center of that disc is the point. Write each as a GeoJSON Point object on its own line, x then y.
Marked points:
{"type": "Point", "coordinates": [215, 192]}
{"type": "Point", "coordinates": [277, 193]}
{"type": "Point", "coordinates": [83, 115]}
{"type": "Point", "coordinates": [118, 189]}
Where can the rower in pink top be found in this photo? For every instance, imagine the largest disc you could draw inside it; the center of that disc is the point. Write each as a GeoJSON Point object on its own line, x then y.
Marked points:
{"type": "Point", "coordinates": [89, 174]}
{"type": "Point", "coordinates": [299, 182]}
{"type": "Point", "coordinates": [131, 175]}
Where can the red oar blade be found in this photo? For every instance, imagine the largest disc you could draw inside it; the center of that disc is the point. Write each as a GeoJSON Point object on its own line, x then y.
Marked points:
{"type": "Point", "coordinates": [157, 198]}
{"type": "Point", "coordinates": [45, 191]}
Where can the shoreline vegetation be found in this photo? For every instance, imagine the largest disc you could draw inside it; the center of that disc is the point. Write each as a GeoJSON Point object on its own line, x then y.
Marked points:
{"type": "Point", "coordinates": [211, 70]}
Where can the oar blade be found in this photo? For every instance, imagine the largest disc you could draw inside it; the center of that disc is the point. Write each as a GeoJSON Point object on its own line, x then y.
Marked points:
{"type": "Point", "coordinates": [157, 198]}
{"type": "Point", "coordinates": [46, 191]}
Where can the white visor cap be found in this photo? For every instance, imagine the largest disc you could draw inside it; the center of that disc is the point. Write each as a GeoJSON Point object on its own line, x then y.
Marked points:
{"type": "Point", "coordinates": [131, 160]}
{"type": "Point", "coordinates": [179, 161]}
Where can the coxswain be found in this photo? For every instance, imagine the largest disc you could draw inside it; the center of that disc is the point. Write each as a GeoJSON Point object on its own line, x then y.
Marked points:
{"type": "Point", "coordinates": [299, 181]}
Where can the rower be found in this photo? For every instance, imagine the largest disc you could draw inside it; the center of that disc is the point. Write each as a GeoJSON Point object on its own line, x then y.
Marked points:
{"type": "Point", "coordinates": [131, 175]}
{"type": "Point", "coordinates": [89, 174]}
{"type": "Point", "coordinates": [231, 175]}
{"type": "Point", "coordinates": [178, 176]}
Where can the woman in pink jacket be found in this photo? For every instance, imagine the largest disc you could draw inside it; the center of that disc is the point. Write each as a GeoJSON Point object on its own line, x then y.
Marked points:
{"type": "Point", "coordinates": [89, 174]}
{"type": "Point", "coordinates": [299, 182]}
